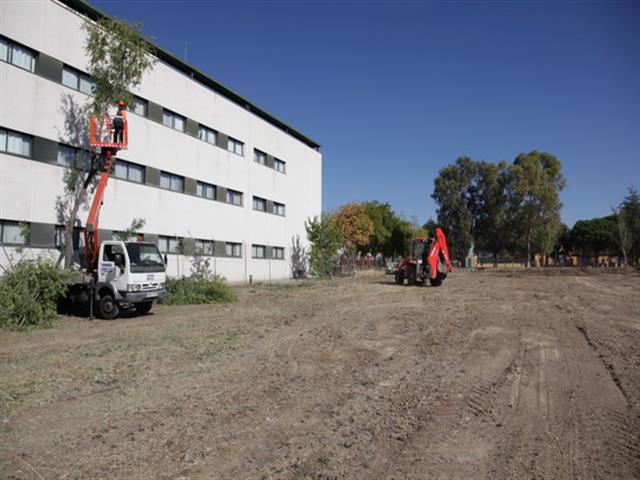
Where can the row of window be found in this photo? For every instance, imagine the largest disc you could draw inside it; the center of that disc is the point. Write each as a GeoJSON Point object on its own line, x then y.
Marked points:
{"type": "Point", "coordinates": [21, 144]}
{"type": "Point", "coordinates": [260, 157]}
{"type": "Point", "coordinates": [178, 122]}
{"type": "Point", "coordinates": [15, 233]}
{"type": "Point", "coordinates": [25, 58]}
{"type": "Point", "coordinates": [260, 205]}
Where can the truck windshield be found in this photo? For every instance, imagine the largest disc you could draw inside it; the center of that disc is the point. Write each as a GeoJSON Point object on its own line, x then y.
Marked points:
{"type": "Point", "coordinates": [144, 257]}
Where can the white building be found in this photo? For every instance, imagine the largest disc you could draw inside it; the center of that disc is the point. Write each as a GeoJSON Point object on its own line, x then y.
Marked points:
{"type": "Point", "coordinates": [204, 167]}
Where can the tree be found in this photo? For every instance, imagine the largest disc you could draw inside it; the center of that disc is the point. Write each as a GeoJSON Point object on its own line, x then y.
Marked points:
{"type": "Point", "coordinates": [136, 225]}
{"type": "Point", "coordinates": [430, 227]}
{"type": "Point", "coordinates": [383, 220]}
{"type": "Point", "coordinates": [594, 236]}
{"type": "Point", "coordinates": [628, 225]}
{"type": "Point", "coordinates": [630, 208]}
{"type": "Point", "coordinates": [118, 57]}
{"type": "Point", "coordinates": [298, 258]}
{"type": "Point", "coordinates": [534, 182]}
{"type": "Point", "coordinates": [451, 194]}
{"type": "Point", "coordinates": [325, 241]}
{"type": "Point", "coordinates": [488, 208]}
{"type": "Point", "coordinates": [354, 225]}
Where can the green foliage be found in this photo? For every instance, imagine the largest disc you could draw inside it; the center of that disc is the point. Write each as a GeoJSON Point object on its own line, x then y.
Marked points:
{"type": "Point", "coordinates": [498, 206]}
{"type": "Point", "coordinates": [452, 195]}
{"type": "Point", "coordinates": [627, 228]}
{"type": "Point", "coordinates": [200, 265]}
{"type": "Point", "coordinates": [354, 225]}
{"type": "Point", "coordinates": [391, 232]}
{"type": "Point", "coordinates": [193, 290]}
{"type": "Point", "coordinates": [595, 236]}
{"type": "Point", "coordinates": [298, 259]}
{"type": "Point", "coordinates": [325, 241]}
{"type": "Point", "coordinates": [29, 292]}
{"type": "Point", "coordinates": [137, 224]}
{"type": "Point", "coordinates": [118, 58]}
{"type": "Point", "coordinates": [534, 183]}
{"type": "Point", "coordinates": [489, 208]}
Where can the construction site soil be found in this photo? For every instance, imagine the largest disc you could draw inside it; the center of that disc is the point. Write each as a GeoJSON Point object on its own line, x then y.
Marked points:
{"type": "Point", "coordinates": [493, 375]}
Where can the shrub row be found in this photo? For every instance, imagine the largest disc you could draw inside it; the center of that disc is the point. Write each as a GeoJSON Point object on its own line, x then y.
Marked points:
{"type": "Point", "coordinates": [190, 290]}
{"type": "Point", "coordinates": [29, 293]}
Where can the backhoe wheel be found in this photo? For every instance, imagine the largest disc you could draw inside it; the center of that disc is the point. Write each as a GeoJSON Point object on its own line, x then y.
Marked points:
{"type": "Point", "coordinates": [400, 277]}
{"type": "Point", "coordinates": [411, 276]}
{"type": "Point", "coordinates": [108, 307]}
{"type": "Point", "coordinates": [436, 282]}
{"type": "Point", "coordinates": [143, 308]}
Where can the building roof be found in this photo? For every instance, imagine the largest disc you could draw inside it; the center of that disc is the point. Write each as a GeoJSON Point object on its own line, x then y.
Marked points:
{"type": "Point", "coordinates": [96, 14]}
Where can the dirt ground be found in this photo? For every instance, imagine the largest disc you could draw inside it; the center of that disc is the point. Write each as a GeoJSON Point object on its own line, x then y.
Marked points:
{"type": "Point", "coordinates": [494, 375]}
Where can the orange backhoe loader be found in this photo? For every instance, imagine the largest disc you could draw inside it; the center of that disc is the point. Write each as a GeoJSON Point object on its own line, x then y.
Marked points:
{"type": "Point", "coordinates": [428, 258]}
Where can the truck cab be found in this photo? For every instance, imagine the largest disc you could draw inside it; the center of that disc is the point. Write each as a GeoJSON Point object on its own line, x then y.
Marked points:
{"type": "Point", "coordinates": [129, 274]}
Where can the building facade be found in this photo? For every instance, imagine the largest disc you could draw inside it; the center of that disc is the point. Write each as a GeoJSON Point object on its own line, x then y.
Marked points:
{"type": "Point", "coordinates": [207, 170]}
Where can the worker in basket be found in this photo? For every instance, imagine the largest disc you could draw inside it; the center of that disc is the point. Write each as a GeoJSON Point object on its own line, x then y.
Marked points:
{"type": "Point", "coordinates": [119, 122]}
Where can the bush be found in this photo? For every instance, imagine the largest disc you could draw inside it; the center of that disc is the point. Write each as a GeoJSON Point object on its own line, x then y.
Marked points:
{"type": "Point", "coordinates": [190, 290]}
{"type": "Point", "coordinates": [29, 293]}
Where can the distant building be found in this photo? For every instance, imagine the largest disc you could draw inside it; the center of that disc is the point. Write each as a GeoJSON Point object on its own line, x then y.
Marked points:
{"type": "Point", "coordinates": [205, 167]}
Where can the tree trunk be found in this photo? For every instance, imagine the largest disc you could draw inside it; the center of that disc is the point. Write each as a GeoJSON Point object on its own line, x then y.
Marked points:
{"type": "Point", "coordinates": [68, 228]}
{"type": "Point", "coordinates": [528, 264]}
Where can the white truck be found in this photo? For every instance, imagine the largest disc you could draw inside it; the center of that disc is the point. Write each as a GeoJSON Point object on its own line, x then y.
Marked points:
{"type": "Point", "coordinates": [128, 275]}
{"type": "Point", "coordinates": [117, 274]}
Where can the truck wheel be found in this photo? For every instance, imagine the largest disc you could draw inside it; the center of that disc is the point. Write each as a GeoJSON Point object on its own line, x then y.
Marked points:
{"type": "Point", "coordinates": [400, 277]}
{"type": "Point", "coordinates": [108, 307]}
{"type": "Point", "coordinates": [143, 308]}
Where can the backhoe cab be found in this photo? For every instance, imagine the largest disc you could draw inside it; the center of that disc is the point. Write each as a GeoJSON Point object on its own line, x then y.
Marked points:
{"type": "Point", "coordinates": [428, 258]}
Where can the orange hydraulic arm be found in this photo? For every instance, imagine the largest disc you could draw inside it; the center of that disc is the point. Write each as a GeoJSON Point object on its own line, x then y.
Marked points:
{"type": "Point", "coordinates": [106, 134]}
{"type": "Point", "coordinates": [91, 240]}
{"type": "Point", "coordinates": [439, 245]}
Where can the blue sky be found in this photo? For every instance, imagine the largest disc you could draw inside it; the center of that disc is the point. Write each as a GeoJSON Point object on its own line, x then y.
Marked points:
{"type": "Point", "coordinates": [395, 90]}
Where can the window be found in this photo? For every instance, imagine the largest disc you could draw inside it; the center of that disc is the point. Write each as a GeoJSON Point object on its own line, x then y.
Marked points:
{"type": "Point", "coordinates": [129, 171]}
{"type": "Point", "coordinates": [172, 182]}
{"type": "Point", "coordinates": [207, 134]}
{"type": "Point", "coordinates": [17, 55]}
{"type": "Point", "coordinates": [139, 106]}
{"type": "Point", "coordinates": [278, 253]}
{"type": "Point", "coordinates": [168, 244]}
{"type": "Point", "coordinates": [279, 165]}
{"type": "Point", "coordinates": [14, 233]}
{"type": "Point", "coordinates": [259, 157]}
{"type": "Point", "coordinates": [259, 204]}
{"type": "Point", "coordinates": [235, 146]}
{"type": "Point", "coordinates": [233, 197]}
{"type": "Point", "coordinates": [278, 209]}
{"type": "Point", "coordinates": [77, 80]}
{"type": "Point", "coordinates": [14, 142]}
{"type": "Point", "coordinates": [204, 247]}
{"type": "Point", "coordinates": [73, 157]}
{"type": "Point", "coordinates": [173, 120]}
{"type": "Point", "coordinates": [233, 249]}
{"type": "Point", "coordinates": [206, 190]}
{"type": "Point", "coordinates": [258, 251]}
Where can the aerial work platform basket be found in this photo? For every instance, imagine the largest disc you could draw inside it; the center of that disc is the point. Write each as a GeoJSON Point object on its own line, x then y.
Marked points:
{"type": "Point", "coordinates": [109, 132]}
